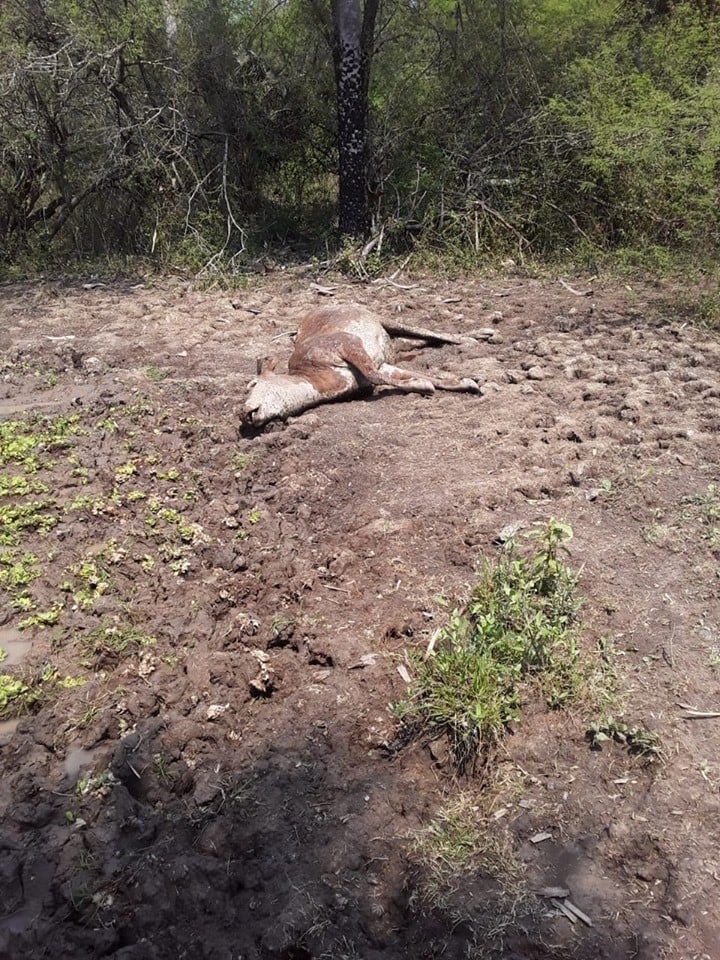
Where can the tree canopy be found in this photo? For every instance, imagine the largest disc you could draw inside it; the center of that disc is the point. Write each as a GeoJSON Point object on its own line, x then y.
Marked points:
{"type": "Point", "coordinates": [203, 130]}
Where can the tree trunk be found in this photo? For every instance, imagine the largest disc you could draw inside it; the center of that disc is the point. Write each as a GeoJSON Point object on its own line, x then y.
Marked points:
{"type": "Point", "coordinates": [353, 36]}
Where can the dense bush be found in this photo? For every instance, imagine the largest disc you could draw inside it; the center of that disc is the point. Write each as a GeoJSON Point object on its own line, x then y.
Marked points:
{"type": "Point", "coordinates": [642, 115]}
{"type": "Point", "coordinates": [197, 129]}
{"type": "Point", "coordinates": [131, 125]}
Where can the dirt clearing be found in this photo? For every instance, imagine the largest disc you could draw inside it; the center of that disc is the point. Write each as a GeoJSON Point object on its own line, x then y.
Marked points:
{"type": "Point", "coordinates": [203, 630]}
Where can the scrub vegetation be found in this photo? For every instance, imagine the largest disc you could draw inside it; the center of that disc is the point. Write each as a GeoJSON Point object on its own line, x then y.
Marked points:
{"type": "Point", "coordinates": [203, 135]}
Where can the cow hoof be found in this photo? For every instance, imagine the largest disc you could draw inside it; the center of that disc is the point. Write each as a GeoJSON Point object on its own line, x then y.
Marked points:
{"type": "Point", "coordinates": [472, 386]}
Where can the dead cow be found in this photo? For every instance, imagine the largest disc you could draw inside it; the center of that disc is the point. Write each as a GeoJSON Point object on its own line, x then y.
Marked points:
{"type": "Point", "coordinates": [341, 350]}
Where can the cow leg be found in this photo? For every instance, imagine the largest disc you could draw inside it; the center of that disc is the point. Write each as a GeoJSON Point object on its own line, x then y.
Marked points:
{"type": "Point", "coordinates": [351, 351]}
{"type": "Point", "coordinates": [332, 351]}
{"type": "Point", "coordinates": [425, 382]}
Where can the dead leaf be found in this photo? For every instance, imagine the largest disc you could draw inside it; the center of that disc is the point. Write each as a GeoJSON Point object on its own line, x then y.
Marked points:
{"type": "Point", "coordinates": [403, 671]}
{"type": "Point", "coordinates": [366, 660]}
{"type": "Point", "coordinates": [323, 291]}
{"type": "Point", "coordinates": [539, 837]}
{"type": "Point", "coordinates": [578, 913]}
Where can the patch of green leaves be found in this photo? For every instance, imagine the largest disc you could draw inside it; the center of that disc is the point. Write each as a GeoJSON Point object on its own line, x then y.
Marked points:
{"type": "Point", "coordinates": [17, 570]}
{"type": "Point", "coordinates": [20, 694]}
{"type": "Point", "coordinates": [10, 689]}
{"type": "Point", "coordinates": [102, 784]}
{"type": "Point", "coordinates": [158, 516]}
{"type": "Point", "coordinates": [18, 519]}
{"type": "Point", "coordinates": [44, 618]}
{"type": "Point", "coordinates": [19, 486]}
{"type": "Point", "coordinates": [520, 625]}
{"type": "Point", "coordinates": [23, 442]}
{"type": "Point", "coordinates": [638, 740]}
{"type": "Point", "coordinates": [110, 642]}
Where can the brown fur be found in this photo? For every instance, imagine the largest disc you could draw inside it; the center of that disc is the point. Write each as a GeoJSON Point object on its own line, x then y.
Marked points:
{"type": "Point", "coordinates": [339, 351]}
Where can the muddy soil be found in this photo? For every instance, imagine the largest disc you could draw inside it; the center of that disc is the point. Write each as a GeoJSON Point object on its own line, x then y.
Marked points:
{"type": "Point", "coordinates": [206, 765]}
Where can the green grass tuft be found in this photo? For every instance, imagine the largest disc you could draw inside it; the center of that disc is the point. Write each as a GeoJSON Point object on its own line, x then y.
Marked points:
{"type": "Point", "coordinates": [520, 625]}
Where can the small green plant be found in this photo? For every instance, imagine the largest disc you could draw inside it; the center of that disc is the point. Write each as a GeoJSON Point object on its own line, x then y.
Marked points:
{"type": "Point", "coordinates": [44, 618]}
{"type": "Point", "coordinates": [179, 566]}
{"type": "Point", "coordinates": [22, 602]}
{"type": "Point", "coordinates": [638, 741]}
{"type": "Point", "coordinates": [17, 570]}
{"type": "Point", "coordinates": [239, 461]}
{"type": "Point", "coordinates": [92, 581]}
{"type": "Point", "coordinates": [110, 642]}
{"type": "Point", "coordinates": [520, 625]}
{"type": "Point", "coordinates": [162, 769]}
{"type": "Point", "coordinates": [102, 784]}
{"type": "Point", "coordinates": [157, 515]}
{"type": "Point", "coordinates": [124, 471]}
{"type": "Point", "coordinates": [155, 374]}
{"type": "Point", "coordinates": [10, 689]}
{"type": "Point", "coordinates": [82, 473]}
{"type": "Point", "coordinates": [108, 424]}
{"type": "Point", "coordinates": [86, 717]}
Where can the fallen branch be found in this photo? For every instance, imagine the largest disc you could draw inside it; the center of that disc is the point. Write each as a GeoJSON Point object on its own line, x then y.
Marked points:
{"type": "Point", "coordinates": [693, 714]}
{"type": "Point", "coordinates": [577, 293]}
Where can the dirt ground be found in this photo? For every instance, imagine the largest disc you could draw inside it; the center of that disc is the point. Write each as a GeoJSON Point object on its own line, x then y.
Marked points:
{"type": "Point", "coordinates": [209, 768]}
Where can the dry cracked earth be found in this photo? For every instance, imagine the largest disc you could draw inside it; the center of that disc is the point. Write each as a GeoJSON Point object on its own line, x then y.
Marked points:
{"type": "Point", "coordinates": [207, 628]}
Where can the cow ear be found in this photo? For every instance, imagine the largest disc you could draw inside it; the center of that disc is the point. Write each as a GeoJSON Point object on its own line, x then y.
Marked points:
{"type": "Point", "coordinates": [266, 364]}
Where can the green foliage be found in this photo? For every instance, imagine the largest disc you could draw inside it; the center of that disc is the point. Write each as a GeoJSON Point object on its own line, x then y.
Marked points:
{"type": "Point", "coordinates": [21, 694]}
{"type": "Point", "coordinates": [638, 741]}
{"type": "Point", "coordinates": [519, 625]}
{"type": "Point", "coordinates": [641, 120]}
{"type": "Point", "coordinates": [10, 689]}
{"type": "Point", "coordinates": [44, 618]}
{"type": "Point", "coordinates": [25, 445]}
{"type": "Point", "coordinates": [18, 519]}
{"type": "Point", "coordinates": [110, 642]}
{"type": "Point", "coordinates": [198, 133]}
{"type": "Point", "coordinates": [152, 132]}
{"type": "Point", "coordinates": [22, 442]}
{"type": "Point", "coordinates": [17, 570]}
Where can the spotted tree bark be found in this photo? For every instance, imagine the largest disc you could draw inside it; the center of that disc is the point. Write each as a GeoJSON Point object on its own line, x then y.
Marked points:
{"type": "Point", "coordinates": [352, 42]}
